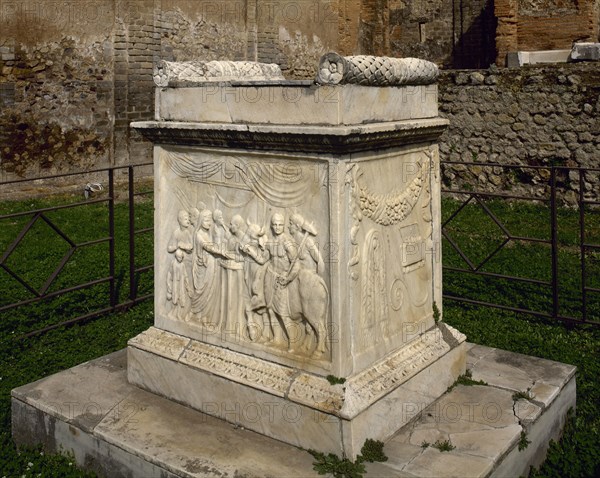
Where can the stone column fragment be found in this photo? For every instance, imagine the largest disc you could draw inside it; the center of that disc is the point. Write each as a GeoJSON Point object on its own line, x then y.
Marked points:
{"type": "Point", "coordinates": [375, 70]}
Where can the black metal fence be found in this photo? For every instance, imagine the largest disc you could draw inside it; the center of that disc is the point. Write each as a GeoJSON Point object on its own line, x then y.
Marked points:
{"type": "Point", "coordinates": [534, 250]}
{"type": "Point", "coordinates": [70, 257]}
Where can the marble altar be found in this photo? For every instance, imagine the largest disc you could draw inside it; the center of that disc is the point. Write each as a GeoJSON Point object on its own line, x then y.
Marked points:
{"type": "Point", "coordinates": [297, 261]}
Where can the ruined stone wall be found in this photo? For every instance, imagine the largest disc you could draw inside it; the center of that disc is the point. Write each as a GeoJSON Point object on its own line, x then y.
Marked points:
{"type": "Point", "coordinates": [56, 93]}
{"type": "Point", "coordinates": [537, 116]}
{"type": "Point", "coordinates": [529, 25]}
{"type": "Point", "coordinates": [75, 73]}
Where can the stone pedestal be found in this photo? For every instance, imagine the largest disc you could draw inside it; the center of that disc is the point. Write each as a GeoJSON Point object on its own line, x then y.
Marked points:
{"type": "Point", "coordinates": [298, 287]}
{"type": "Point", "coordinates": [124, 431]}
{"type": "Point", "coordinates": [297, 261]}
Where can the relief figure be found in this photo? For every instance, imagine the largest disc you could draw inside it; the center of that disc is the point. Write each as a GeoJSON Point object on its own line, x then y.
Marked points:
{"type": "Point", "coordinates": [204, 272]}
{"type": "Point", "coordinates": [234, 294]}
{"type": "Point", "coordinates": [279, 280]}
{"type": "Point", "coordinates": [296, 296]}
{"type": "Point", "coordinates": [313, 297]}
{"type": "Point", "coordinates": [271, 293]}
{"type": "Point", "coordinates": [255, 256]}
{"type": "Point", "coordinates": [178, 287]}
{"type": "Point", "coordinates": [182, 236]}
{"type": "Point", "coordinates": [309, 256]}
{"type": "Point", "coordinates": [220, 232]}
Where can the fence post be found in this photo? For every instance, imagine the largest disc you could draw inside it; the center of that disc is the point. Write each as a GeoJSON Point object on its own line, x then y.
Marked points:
{"type": "Point", "coordinates": [111, 234]}
{"type": "Point", "coordinates": [554, 242]}
{"type": "Point", "coordinates": [132, 287]}
{"type": "Point", "coordinates": [582, 245]}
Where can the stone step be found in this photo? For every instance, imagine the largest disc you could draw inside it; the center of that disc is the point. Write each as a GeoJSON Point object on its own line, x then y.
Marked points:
{"type": "Point", "coordinates": [117, 429]}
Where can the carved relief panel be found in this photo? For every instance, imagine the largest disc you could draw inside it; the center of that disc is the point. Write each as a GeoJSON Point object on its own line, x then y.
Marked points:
{"type": "Point", "coordinates": [391, 249]}
{"type": "Point", "coordinates": [241, 252]}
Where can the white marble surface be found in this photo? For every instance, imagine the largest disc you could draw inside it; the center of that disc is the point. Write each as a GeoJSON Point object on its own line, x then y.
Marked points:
{"type": "Point", "coordinates": [366, 226]}
{"type": "Point", "coordinates": [296, 105]}
{"type": "Point", "coordinates": [137, 433]}
{"type": "Point", "coordinates": [291, 405]}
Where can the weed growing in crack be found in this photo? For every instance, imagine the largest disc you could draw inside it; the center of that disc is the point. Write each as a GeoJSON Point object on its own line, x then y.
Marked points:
{"type": "Point", "coordinates": [333, 380]}
{"type": "Point", "coordinates": [526, 395]}
{"type": "Point", "coordinates": [371, 451]}
{"type": "Point", "coordinates": [466, 380]}
{"type": "Point", "coordinates": [445, 445]}
{"type": "Point", "coordinates": [523, 441]}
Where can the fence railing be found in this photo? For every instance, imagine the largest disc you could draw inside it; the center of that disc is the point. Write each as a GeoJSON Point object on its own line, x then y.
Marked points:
{"type": "Point", "coordinates": [66, 259]}
{"type": "Point", "coordinates": [533, 250]}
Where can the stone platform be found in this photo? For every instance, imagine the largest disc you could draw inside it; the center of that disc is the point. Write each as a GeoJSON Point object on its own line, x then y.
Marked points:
{"type": "Point", "coordinates": [117, 429]}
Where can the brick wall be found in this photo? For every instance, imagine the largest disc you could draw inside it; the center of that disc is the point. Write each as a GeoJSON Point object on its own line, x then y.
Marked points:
{"type": "Point", "coordinates": [56, 85]}
{"type": "Point", "coordinates": [75, 73]}
{"type": "Point", "coordinates": [457, 33]}
{"type": "Point", "coordinates": [529, 25]}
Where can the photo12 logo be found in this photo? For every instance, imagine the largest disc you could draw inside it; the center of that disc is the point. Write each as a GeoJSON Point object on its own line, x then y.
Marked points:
{"type": "Point", "coordinates": [253, 412]}
{"type": "Point", "coordinates": [61, 14]}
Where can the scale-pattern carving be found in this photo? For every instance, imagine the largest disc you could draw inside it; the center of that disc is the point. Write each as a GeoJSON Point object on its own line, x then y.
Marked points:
{"type": "Point", "coordinates": [375, 70]}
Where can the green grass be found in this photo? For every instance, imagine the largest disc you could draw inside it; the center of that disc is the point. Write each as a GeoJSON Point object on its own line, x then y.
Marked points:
{"type": "Point", "coordinates": [466, 380]}
{"type": "Point", "coordinates": [577, 454]}
{"type": "Point", "coordinates": [36, 257]}
{"type": "Point", "coordinates": [23, 361]}
{"type": "Point", "coordinates": [478, 236]}
{"type": "Point", "coordinates": [41, 250]}
{"type": "Point", "coordinates": [26, 361]}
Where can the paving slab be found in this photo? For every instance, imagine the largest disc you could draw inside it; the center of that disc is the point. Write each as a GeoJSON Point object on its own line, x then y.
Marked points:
{"type": "Point", "coordinates": [119, 430]}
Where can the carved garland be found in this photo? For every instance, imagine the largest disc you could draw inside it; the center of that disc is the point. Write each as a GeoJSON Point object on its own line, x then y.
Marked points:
{"type": "Point", "coordinates": [392, 208]}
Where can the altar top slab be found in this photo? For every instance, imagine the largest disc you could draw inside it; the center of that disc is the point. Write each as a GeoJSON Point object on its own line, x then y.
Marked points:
{"type": "Point", "coordinates": [294, 103]}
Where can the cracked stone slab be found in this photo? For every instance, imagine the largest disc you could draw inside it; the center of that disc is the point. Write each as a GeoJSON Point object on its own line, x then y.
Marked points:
{"type": "Point", "coordinates": [383, 470]}
{"type": "Point", "coordinates": [142, 434]}
{"type": "Point", "coordinates": [433, 463]}
{"type": "Point", "coordinates": [526, 411]}
{"type": "Point", "coordinates": [518, 372]}
{"type": "Point", "coordinates": [73, 394]}
{"type": "Point", "coordinates": [400, 454]}
{"type": "Point", "coordinates": [475, 353]}
{"type": "Point", "coordinates": [167, 434]}
{"type": "Point", "coordinates": [544, 393]}
{"type": "Point", "coordinates": [487, 443]}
